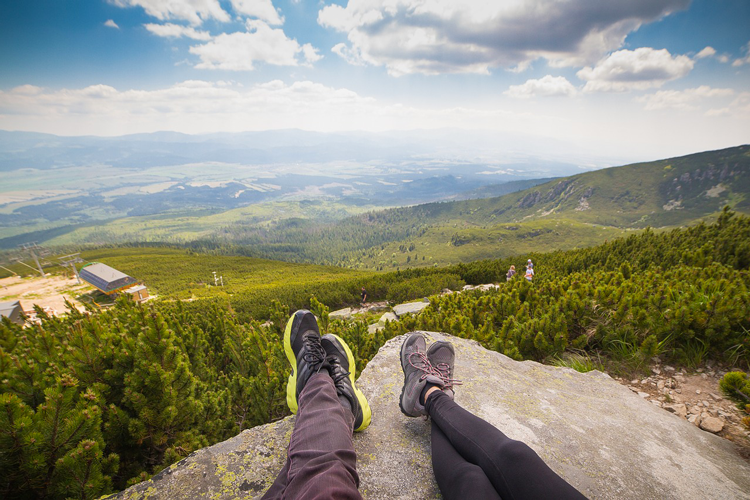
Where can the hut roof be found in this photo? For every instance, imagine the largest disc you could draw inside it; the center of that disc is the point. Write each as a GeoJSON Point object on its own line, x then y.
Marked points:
{"type": "Point", "coordinates": [105, 278]}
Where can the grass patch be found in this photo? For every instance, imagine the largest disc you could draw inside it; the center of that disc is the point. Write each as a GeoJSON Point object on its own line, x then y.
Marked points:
{"type": "Point", "coordinates": [579, 361]}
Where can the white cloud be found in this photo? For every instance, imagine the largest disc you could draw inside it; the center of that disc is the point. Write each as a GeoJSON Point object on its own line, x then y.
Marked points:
{"type": "Point", "coordinates": [544, 87]}
{"type": "Point", "coordinates": [687, 99]}
{"type": "Point", "coordinates": [262, 9]}
{"type": "Point", "coordinates": [638, 69]}
{"type": "Point", "coordinates": [474, 36]}
{"type": "Point", "coordinates": [192, 11]}
{"type": "Point", "coordinates": [111, 24]}
{"type": "Point", "coordinates": [225, 106]}
{"type": "Point", "coordinates": [310, 53]}
{"type": "Point", "coordinates": [743, 60]}
{"type": "Point", "coordinates": [706, 52]}
{"type": "Point", "coordinates": [170, 30]}
{"type": "Point", "coordinates": [711, 52]}
{"type": "Point", "coordinates": [261, 43]}
{"type": "Point", "coordinates": [201, 107]}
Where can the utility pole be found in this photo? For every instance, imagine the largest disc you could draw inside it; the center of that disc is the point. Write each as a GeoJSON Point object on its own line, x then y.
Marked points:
{"type": "Point", "coordinates": [71, 261]}
{"type": "Point", "coordinates": [33, 249]}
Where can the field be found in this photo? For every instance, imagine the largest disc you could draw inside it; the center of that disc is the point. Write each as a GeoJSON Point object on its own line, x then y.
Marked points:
{"type": "Point", "coordinates": [183, 274]}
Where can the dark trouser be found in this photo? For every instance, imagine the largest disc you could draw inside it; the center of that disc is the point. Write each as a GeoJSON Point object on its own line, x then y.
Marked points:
{"type": "Point", "coordinates": [473, 459]}
{"type": "Point", "coordinates": [321, 462]}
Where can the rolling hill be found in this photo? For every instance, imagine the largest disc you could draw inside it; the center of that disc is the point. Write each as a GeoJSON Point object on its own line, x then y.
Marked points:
{"type": "Point", "coordinates": [564, 213]}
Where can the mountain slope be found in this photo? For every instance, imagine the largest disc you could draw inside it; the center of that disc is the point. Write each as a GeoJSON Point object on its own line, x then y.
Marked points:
{"type": "Point", "coordinates": [564, 213]}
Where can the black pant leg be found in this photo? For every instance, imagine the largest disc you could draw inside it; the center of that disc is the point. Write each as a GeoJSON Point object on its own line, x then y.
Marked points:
{"type": "Point", "coordinates": [457, 478]}
{"type": "Point", "coordinates": [515, 470]}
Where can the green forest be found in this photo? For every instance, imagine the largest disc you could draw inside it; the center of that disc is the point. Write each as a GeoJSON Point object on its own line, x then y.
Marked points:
{"type": "Point", "coordinates": [94, 402]}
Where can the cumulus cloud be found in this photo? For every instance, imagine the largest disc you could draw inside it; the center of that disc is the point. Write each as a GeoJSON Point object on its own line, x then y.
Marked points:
{"type": "Point", "coordinates": [743, 60]}
{"type": "Point", "coordinates": [192, 11]}
{"type": "Point", "coordinates": [170, 30]}
{"type": "Point", "coordinates": [260, 43]}
{"type": "Point", "coordinates": [687, 99]}
{"type": "Point", "coordinates": [547, 86]}
{"type": "Point", "coordinates": [347, 54]}
{"type": "Point", "coordinates": [262, 9]}
{"type": "Point", "coordinates": [711, 52]}
{"type": "Point", "coordinates": [111, 24]}
{"type": "Point", "coordinates": [638, 69]}
{"type": "Point", "coordinates": [201, 107]}
{"type": "Point", "coordinates": [706, 52]}
{"type": "Point", "coordinates": [473, 36]}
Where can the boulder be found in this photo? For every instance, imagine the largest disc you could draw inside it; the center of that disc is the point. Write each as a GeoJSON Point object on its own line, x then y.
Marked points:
{"type": "Point", "coordinates": [602, 438]}
{"type": "Point", "coordinates": [678, 409]}
{"type": "Point", "coordinates": [488, 286]}
{"type": "Point", "coordinates": [374, 328]}
{"type": "Point", "coordinates": [389, 316]}
{"type": "Point", "coordinates": [409, 308]}
{"type": "Point", "coordinates": [712, 424]}
{"type": "Point", "coordinates": [345, 313]}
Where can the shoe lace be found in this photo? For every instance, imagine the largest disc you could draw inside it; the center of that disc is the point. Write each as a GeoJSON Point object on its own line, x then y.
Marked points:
{"type": "Point", "coordinates": [337, 371]}
{"type": "Point", "coordinates": [419, 360]}
{"type": "Point", "coordinates": [314, 353]}
{"type": "Point", "coordinates": [444, 370]}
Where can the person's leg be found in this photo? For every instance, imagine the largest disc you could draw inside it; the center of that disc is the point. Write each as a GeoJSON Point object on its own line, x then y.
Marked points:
{"type": "Point", "coordinates": [513, 468]}
{"type": "Point", "coordinates": [321, 461]}
{"type": "Point", "coordinates": [457, 478]}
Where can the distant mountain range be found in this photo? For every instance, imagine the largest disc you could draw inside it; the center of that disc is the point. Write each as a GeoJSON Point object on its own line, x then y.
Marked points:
{"type": "Point", "coordinates": [50, 182]}
{"type": "Point", "coordinates": [274, 147]}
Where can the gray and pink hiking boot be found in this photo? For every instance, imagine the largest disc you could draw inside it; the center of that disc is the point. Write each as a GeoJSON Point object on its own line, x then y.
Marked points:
{"type": "Point", "coordinates": [442, 356]}
{"type": "Point", "coordinates": [417, 373]}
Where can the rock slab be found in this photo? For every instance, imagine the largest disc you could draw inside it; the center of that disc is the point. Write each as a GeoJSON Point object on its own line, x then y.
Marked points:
{"type": "Point", "coordinates": [409, 308]}
{"type": "Point", "coordinates": [602, 438]}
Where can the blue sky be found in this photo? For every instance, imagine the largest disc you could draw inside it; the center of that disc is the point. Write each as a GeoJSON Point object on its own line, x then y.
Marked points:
{"type": "Point", "coordinates": [630, 78]}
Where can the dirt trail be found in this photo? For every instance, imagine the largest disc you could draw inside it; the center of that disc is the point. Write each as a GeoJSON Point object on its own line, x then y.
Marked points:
{"type": "Point", "coordinates": [49, 292]}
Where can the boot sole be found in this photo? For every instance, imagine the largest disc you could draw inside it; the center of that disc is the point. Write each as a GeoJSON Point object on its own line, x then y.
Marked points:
{"type": "Point", "coordinates": [291, 385]}
{"type": "Point", "coordinates": [403, 388]}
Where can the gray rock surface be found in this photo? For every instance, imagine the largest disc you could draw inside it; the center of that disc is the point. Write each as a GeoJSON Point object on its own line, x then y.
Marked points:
{"type": "Point", "coordinates": [374, 328]}
{"type": "Point", "coordinates": [345, 313]}
{"type": "Point", "coordinates": [389, 316]}
{"type": "Point", "coordinates": [597, 434]}
{"type": "Point", "coordinates": [409, 308]}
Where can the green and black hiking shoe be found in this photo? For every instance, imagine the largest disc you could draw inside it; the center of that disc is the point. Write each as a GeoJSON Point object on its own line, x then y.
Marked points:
{"type": "Point", "coordinates": [342, 368]}
{"type": "Point", "coordinates": [304, 352]}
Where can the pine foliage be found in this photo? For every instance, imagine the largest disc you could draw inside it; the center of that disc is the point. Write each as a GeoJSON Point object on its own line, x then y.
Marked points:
{"type": "Point", "coordinates": [93, 402]}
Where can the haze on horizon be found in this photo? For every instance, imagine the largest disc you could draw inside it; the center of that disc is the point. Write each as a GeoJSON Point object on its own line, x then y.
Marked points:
{"type": "Point", "coordinates": [634, 80]}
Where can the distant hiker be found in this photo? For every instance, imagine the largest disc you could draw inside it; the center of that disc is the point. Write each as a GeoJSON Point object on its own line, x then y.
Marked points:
{"type": "Point", "coordinates": [529, 273]}
{"type": "Point", "coordinates": [470, 457]}
{"type": "Point", "coordinates": [530, 264]}
{"type": "Point", "coordinates": [511, 273]}
{"type": "Point", "coordinates": [364, 295]}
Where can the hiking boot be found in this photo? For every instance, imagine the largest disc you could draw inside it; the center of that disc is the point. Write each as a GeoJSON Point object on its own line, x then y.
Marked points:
{"type": "Point", "coordinates": [417, 373]}
{"type": "Point", "coordinates": [442, 356]}
{"type": "Point", "coordinates": [342, 369]}
{"type": "Point", "coordinates": [304, 352]}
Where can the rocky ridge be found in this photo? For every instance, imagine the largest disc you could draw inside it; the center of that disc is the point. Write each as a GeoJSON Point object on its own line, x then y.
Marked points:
{"type": "Point", "coordinates": [694, 395]}
{"type": "Point", "coordinates": [601, 437]}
